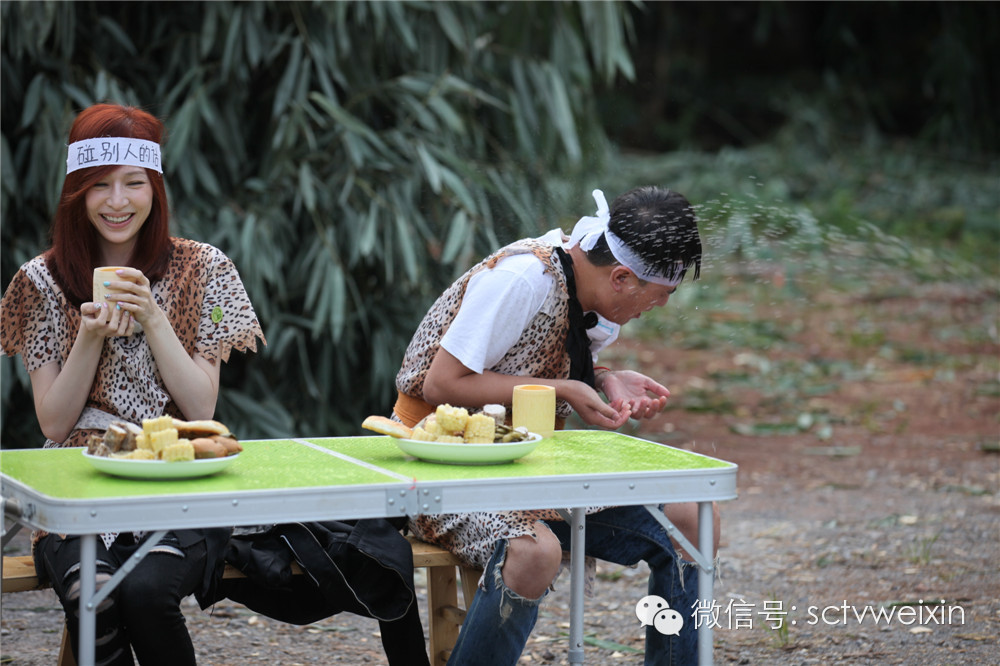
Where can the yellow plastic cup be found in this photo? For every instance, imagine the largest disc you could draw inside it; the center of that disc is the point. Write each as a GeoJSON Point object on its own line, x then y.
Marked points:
{"type": "Point", "coordinates": [104, 274]}
{"type": "Point", "coordinates": [534, 408]}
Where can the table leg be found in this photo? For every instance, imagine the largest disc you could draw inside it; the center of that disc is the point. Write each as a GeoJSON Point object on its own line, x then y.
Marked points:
{"type": "Point", "coordinates": [703, 557]}
{"type": "Point", "coordinates": [706, 581]}
{"type": "Point", "coordinates": [11, 510]}
{"type": "Point", "coordinates": [88, 611]}
{"type": "Point", "coordinates": [90, 598]}
{"type": "Point", "coordinates": [576, 559]}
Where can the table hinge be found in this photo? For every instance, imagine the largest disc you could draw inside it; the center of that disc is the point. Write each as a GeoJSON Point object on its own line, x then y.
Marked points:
{"type": "Point", "coordinates": [413, 501]}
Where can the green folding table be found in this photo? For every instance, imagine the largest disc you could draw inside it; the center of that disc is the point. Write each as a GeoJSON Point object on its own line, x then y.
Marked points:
{"type": "Point", "coordinates": [330, 478]}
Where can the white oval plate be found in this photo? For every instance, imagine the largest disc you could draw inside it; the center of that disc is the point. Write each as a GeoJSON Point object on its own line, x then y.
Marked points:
{"type": "Point", "coordinates": [468, 454]}
{"type": "Point", "coordinates": [159, 469]}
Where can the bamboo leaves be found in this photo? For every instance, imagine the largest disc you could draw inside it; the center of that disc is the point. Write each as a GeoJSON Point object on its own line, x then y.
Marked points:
{"type": "Point", "coordinates": [607, 32]}
{"type": "Point", "coordinates": [286, 85]}
{"type": "Point", "coordinates": [33, 100]}
{"type": "Point", "coordinates": [117, 33]}
{"type": "Point", "coordinates": [307, 189]}
{"type": "Point", "coordinates": [450, 25]}
{"type": "Point", "coordinates": [549, 81]}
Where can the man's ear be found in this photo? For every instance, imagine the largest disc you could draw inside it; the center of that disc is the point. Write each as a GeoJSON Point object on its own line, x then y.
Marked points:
{"type": "Point", "coordinates": [621, 278]}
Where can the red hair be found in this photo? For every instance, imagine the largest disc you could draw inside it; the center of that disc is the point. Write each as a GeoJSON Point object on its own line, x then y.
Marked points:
{"type": "Point", "coordinates": [75, 251]}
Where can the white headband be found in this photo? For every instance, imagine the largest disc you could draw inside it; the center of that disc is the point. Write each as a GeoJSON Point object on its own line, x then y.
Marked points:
{"type": "Point", "coordinates": [589, 229]}
{"type": "Point", "coordinates": [113, 150]}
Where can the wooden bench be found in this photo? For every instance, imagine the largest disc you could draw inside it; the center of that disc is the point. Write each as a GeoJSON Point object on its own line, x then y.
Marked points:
{"type": "Point", "coordinates": [444, 616]}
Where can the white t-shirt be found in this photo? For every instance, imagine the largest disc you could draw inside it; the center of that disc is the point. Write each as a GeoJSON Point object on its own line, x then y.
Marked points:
{"type": "Point", "coordinates": [502, 301]}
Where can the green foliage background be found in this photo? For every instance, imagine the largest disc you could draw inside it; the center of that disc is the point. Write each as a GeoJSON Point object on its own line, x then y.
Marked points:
{"type": "Point", "coordinates": [352, 158]}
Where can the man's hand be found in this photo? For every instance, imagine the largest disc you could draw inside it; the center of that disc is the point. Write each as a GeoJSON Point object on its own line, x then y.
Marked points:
{"type": "Point", "coordinates": [632, 390]}
{"type": "Point", "coordinates": [590, 407]}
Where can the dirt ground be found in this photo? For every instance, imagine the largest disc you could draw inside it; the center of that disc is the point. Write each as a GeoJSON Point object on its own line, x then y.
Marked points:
{"type": "Point", "coordinates": [867, 445]}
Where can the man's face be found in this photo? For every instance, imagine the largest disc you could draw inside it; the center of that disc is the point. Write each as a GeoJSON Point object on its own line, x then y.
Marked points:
{"type": "Point", "coordinates": [628, 297]}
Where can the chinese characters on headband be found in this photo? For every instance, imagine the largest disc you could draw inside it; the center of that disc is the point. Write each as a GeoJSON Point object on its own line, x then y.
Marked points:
{"type": "Point", "coordinates": [113, 151]}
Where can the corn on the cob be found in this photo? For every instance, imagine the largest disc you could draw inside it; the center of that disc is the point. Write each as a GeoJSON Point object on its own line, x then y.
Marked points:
{"type": "Point", "coordinates": [157, 424]}
{"type": "Point", "coordinates": [141, 454]}
{"type": "Point", "coordinates": [451, 419]}
{"type": "Point", "coordinates": [431, 426]}
{"type": "Point", "coordinates": [450, 439]}
{"type": "Point", "coordinates": [480, 429]}
{"type": "Point", "coordinates": [422, 435]}
{"type": "Point", "coordinates": [179, 451]}
{"type": "Point", "coordinates": [161, 439]}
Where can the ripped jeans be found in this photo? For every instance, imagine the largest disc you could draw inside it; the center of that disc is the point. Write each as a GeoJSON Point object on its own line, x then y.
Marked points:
{"type": "Point", "coordinates": [143, 612]}
{"type": "Point", "coordinates": [499, 621]}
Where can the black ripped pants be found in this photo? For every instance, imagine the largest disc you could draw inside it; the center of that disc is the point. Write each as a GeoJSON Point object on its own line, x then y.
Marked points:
{"type": "Point", "coordinates": [141, 614]}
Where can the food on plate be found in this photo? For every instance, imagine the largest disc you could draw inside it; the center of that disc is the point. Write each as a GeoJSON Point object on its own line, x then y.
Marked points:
{"type": "Point", "coordinates": [141, 454]}
{"type": "Point", "coordinates": [507, 434]}
{"type": "Point", "coordinates": [386, 426]}
{"type": "Point", "coordinates": [422, 435]}
{"type": "Point", "coordinates": [178, 451]}
{"type": "Point", "coordinates": [205, 447]}
{"type": "Point", "coordinates": [121, 436]}
{"type": "Point", "coordinates": [430, 426]}
{"type": "Point", "coordinates": [496, 412]}
{"type": "Point", "coordinates": [452, 425]}
{"type": "Point", "coordinates": [166, 439]}
{"type": "Point", "coordinates": [161, 439]}
{"type": "Point", "coordinates": [157, 424]}
{"type": "Point", "coordinates": [232, 446]}
{"type": "Point", "coordinates": [480, 428]}
{"type": "Point", "coordinates": [203, 428]}
{"type": "Point", "coordinates": [451, 419]}
{"type": "Point", "coordinates": [217, 434]}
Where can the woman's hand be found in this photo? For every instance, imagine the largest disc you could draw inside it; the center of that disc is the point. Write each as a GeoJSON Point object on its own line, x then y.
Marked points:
{"type": "Point", "coordinates": [106, 320]}
{"type": "Point", "coordinates": [632, 390]}
{"type": "Point", "coordinates": [134, 296]}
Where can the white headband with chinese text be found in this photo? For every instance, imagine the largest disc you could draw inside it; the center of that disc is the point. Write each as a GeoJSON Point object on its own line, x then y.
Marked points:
{"type": "Point", "coordinates": [113, 150]}
{"type": "Point", "coordinates": [589, 229]}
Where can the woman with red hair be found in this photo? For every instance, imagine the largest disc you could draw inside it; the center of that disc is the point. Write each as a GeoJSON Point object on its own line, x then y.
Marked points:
{"type": "Point", "coordinates": [152, 347]}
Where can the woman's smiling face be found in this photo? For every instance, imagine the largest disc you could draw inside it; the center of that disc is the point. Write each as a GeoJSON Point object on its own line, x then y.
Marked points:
{"type": "Point", "coordinates": [119, 204]}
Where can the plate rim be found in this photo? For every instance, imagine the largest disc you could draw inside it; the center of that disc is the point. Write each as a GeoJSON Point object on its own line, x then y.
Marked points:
{"type": "Point", "coordinates": [535, 437]}
{"type": "Point", "coordinates": [184, 469]}
{"type": "Point", "coordinates": [502, 448]}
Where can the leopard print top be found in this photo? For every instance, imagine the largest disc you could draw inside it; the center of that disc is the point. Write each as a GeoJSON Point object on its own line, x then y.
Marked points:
{"type": "Point", "coordinates": [203, 297]}
{"type": "Point", "coordinates": [541, 349]}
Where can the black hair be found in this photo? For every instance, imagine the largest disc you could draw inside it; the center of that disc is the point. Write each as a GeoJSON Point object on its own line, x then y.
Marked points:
{"type": "Point", "coordinates": [657, 224]}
